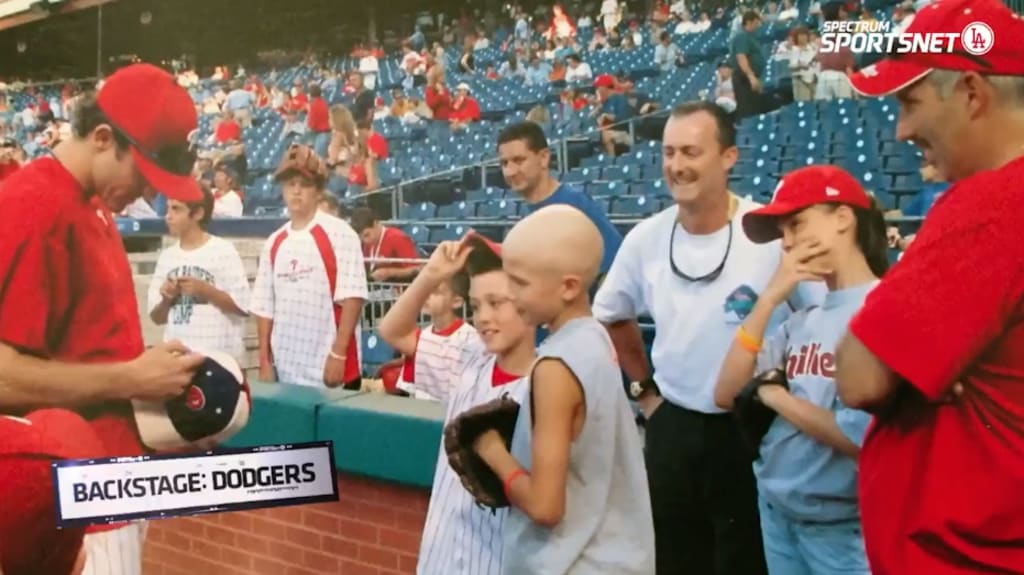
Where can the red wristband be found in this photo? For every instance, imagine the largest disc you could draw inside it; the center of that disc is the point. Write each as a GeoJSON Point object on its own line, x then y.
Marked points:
{"type": "Point", "coordinates": [512, 477]}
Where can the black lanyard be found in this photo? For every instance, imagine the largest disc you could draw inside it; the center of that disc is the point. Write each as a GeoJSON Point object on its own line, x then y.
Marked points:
{"type": "Point", "coordinates": [713, 274]}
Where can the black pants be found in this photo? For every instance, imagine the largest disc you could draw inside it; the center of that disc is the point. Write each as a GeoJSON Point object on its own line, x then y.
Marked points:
{"type": "Point", "coordinates": [703, 495]}
{"type": "Point", "coordinates": [748, 102]}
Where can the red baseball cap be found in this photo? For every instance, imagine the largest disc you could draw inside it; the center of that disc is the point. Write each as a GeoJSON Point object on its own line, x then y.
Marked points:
{"type": "Point", "coordinates": [486, 252]}
{"type": "Point", "coordinates": [30, 542]}
{"type": "Point", "coordinates": [801, 189]}
{"type": "Point", "coordinates": [988, 41]}
{"type": "Point", "coordinates": [604, 81]}
{"type": "Point", "coordinates": [148, 107]}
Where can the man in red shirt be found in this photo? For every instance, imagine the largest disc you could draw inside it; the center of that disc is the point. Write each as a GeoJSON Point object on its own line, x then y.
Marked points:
{"type": "Point", "coordinates": [228, 131]}
{"type": "Point", "coordinates": [318, 122]}
{"type": "Point", "coordinates": [465, 109]}
{"type": "Point", "coordinates": [70, 334]}
{"type": "Point", "coordinates": [937, 352]}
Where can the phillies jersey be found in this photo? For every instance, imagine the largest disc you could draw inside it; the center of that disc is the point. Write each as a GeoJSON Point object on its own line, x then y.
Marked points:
{"type": "Point", "coordinates": [303, 277]}
{"type": "Point", "coordinates": [432, 342]}
{"type": "Point", "coordinates": [461, 538]}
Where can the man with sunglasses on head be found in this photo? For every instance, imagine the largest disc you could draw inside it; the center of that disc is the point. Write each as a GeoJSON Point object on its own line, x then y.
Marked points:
{"type": "Point", "coordinates": [693, 270]}
{"type": "Point", "coordinates": [70, 334]}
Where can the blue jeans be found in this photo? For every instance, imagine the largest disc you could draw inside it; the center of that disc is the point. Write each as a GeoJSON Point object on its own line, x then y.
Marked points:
{"type": "Point", "coordinates": [801, 548]}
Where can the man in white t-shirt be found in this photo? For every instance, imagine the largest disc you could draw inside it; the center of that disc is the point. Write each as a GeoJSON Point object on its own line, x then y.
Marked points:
{"type": "Point", "coordinates": [310, 286]}
{"type": "Point", "coordinates": [693, 270]}
{"type": "Point", "coordinates": [199, 290]}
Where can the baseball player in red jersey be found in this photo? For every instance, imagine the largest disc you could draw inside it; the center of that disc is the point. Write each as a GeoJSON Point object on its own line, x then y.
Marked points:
{"type": "Point", "coordinates": [70, 333]}
{"type": "Point", "coordinates": [937, 351]}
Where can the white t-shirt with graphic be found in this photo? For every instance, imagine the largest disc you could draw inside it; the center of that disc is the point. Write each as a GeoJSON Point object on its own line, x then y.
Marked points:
{"type": "Point", "coordinates": [198, 323]}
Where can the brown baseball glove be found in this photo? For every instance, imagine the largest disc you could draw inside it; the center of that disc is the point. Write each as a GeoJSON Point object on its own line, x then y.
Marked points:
{"type": "Point", "coordinates": [460, 434]}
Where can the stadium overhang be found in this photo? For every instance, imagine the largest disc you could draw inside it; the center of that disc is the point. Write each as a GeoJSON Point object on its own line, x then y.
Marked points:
{"type": "Point", "coordinates": [15, 13]}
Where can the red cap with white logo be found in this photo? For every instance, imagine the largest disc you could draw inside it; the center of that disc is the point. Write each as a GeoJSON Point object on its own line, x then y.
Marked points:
{"type": "Point", "coordinates": [802, 189]}
{"type": "Point", "coordinates": [988, 41]}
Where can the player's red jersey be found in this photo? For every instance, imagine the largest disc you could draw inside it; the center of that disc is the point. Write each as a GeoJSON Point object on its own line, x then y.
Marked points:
{"type": "Point", "coordinates": [66, 290]}
{"type": "Point", "coordinates": [941, 483]}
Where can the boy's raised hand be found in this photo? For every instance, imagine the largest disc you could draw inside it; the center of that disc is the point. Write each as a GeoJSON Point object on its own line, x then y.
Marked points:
{"type": "Point", "coordinates": [448, 259]}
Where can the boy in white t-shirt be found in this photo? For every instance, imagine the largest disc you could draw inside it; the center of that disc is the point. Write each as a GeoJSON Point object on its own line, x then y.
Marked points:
{"type": "Point", "coordinates": [461, 538]}
{"type": "Point", "coordinates": [444, 308]}
{"type": "Point", "coordinates": [199, 289]}
{"type": "Point", "coordinates": [310, 286]}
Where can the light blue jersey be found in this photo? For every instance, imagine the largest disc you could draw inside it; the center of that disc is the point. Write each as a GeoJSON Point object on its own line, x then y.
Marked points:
{"type": "Point", "coordinates": [802, 478]}
{"type": "Point", "coordinates": [607, 527]}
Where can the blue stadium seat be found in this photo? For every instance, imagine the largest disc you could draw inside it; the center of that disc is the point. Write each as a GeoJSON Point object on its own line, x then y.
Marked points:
{"type": "Point", "coordinates": [457, 210]}
{"type": "Point", "coordinates": [418, 212]}
{"type": "Point", "coordinates": [634, 206]}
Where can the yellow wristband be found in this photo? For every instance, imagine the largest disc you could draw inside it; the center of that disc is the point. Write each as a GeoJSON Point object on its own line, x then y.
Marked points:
{"type": "Point", "coordinates": [748, 341]}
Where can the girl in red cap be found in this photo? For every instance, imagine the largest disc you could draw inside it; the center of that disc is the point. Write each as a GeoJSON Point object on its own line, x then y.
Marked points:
{"type": "Point", "coordinates": [806, 465]}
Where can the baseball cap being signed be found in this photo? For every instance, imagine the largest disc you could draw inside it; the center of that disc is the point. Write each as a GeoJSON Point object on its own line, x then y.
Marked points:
{"type": "Point", "coordinates": [802, 189]}
{"type": "Point", "coordinates": [148, 108]}
{"type": "Point", "coordinates": [988, 41]}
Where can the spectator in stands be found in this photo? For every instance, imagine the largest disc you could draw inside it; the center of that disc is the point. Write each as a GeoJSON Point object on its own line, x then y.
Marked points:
{"type": "Point", "coordinates": [558, 72]}
{"type": "Point", "coordinates": [227, 193]}
{"type": "Point", "coordinates": [612, 111]}
{"type": "Point", "coordinates": [143, 206]}
{"type": "Point", "coordinates": [919, 204]}
{"type": "Point", "coordinates": [310, 286]}
{"type": "Point", "coordinates": [412, 65]}
{"type": "Point", "coordinates": [802, 64]}
{"type": "Point", "coordinates": [579, 71]}
{"type": "Point", "coordinates": [467, 63]}
{"type": "Point", "coordinates": [439, 100]}
{"type": "Point", "coordinates": [344, 138]}
{"type": "Point", "coordinates": [724, 94]}
{"type": "Point", "coordinates": [677, 265]}
{"type": "Point", "coordinates": [465, 109]}
{"type": "Point", "coordinates": [526, 166]}
{"type": "Point", "coordinates": [228, 131]}
{"type": "Point", "coordinates": [512, 69]}
{"type": "Point", "coordinates": [318, 122]}
{"type": "Point", "coordinates": [382, 242]}
{"type": "Point", "coordinates": [537, 72]}
{"type": "Point", "coordinates": [667, 56]}
{"type": "Point", "coordinates": [834, 66]}
{"type": "Point", "coordinates": [611, 15]}
{"type": "Point", "coordinates": [561, 24]}
{"type": "Point", "coordinates": [293, 126]}
{"type": "Point", "coordinates": [944, 379]}
{"type": "Point", "coordinates": [241, 103]}
{"type": "Point", "coordinates": [330, 205]}
{"type": "Point", "coordinates": [748, 64]}
{"type": "Point", "coordinates": [11, 157]}
{"type": "Point", "coordinates": [369, 67]}
{"type": "Point", "coordinates": [363, 99]}
{"type": "Point", "coordinates": [199, 289]}
{"type": "Point", "coordinates": [788, 12]}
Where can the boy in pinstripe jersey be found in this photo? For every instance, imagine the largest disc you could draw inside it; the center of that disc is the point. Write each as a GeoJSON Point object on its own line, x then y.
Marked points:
{"type": "Point", "coordinates": [460, 538]}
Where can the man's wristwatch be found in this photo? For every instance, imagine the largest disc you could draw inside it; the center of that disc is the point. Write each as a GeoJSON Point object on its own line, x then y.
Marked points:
{"type": "Point", "coordinates": [638, 388]}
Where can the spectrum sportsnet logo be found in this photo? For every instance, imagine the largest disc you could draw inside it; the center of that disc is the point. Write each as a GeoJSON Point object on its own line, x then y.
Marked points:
{"type": "Point", "coordinates": [876, 37]}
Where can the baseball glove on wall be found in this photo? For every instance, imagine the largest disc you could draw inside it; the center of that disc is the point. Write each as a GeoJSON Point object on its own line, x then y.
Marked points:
{"type": "Point", "coordinates": [753, 417]}
{"type": "Point", "coordinates": [460, 434]}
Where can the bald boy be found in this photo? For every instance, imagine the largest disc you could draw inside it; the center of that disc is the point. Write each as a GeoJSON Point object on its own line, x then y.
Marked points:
{"type": "Point", "coordinates": [575, 475]}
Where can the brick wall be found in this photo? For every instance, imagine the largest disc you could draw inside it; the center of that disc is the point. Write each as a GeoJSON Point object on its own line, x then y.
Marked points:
{"type": "Point", "coordinates": [374, 529]}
